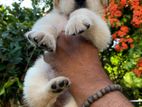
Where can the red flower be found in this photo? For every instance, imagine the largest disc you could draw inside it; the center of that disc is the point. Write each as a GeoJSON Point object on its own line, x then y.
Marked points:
{"type": "Point", "coordinates": [134, 3]}
{"type": "Point", "coordinates": [130, 40]}
{"type": "Point", "coordinates": [117, 13]}
{"type": "Point", "coordinates": [114, 36]}
{"type": "Point", "coordinates": [117, 48]}
{"type": "Point", "coordinates": [139, 64]}
{"type": "Point", "coordinates": [137, 72]}
{"type": "Point", "coordinates": [123, 2]}
{"type": "Point", "coordinates": [119, 21]}
{"type": "Point", "coordinates": [121, 34]}
{"type": "Point", "coordinates": [124, 29]}
{"type": "Point", "coordinates": [121, 40]}
{"type": "Point", "coordinates": [124, 46]}
{"type": "Point", "coordinates": [137, 16]}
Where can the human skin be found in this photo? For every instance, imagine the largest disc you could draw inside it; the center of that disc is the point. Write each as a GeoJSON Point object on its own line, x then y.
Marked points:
{"type": "Point", "coordinates": [78, 60]}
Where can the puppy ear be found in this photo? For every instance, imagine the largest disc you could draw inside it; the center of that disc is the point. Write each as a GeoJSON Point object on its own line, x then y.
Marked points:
{"type": "Point", "coordinates": [105, 3]}
{"type": "Point", "coordinates": [56, 3]}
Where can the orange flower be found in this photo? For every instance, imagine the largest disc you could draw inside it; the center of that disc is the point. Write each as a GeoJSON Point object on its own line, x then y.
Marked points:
{"type": "Point", "coordinates": [137, 17]}
{"type": "Point", "coordinates": [138, 69]}
{"type": "Point", "coordinates": [121, 34]}
{"type": "Point", "coordinates": [134, 3]}
{"type": "Point", "coordinates": [117, 13]}
{"type": "Point", "coordinates": [123, 2]}
{"type": "Point", "coordinates": [117, 48]}
{"type": "Point", "coordinates": [121, 40]}
{"type": "Point", "coordinates": [119, 21]}
{"type": "Point", "coordinates": [139, 64]}
{"type": "Point", "coordinates": [124, 29]}
{"type": "Point", "coordinates": [114, 22]}
{"type": "Point", "coordinates": [130, 40]}
{"type": "Point", "coordinates": [114, 36]}
{"type": "Point", "coordinates": [137, 72]}
{"type": "Point", "coordinates": [113, 6]}
{"type": "Point", "coordinates": [124, 46]}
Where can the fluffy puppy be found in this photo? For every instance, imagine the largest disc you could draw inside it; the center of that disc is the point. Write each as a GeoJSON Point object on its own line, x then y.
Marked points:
{"type": "Point", "coordinates": [41, 86]}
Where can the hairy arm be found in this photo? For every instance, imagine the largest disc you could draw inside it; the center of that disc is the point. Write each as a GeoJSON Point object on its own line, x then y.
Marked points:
{"type": "Point", "coordinates": [77, 59]}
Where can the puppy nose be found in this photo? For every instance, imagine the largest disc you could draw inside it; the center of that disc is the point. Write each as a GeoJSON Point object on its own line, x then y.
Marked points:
{"type": "Point", "coordinates": [80, 3]}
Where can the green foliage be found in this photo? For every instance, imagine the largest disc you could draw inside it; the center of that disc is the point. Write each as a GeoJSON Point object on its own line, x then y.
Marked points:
{"type": "Point", "coordinates": [16, 54]}
{"type": "Point", "coordinates": [123, 61]}
{"type": "Point", "coordinates": [119, 66]}
{"type": "Point", "coordinates": [132, 81]}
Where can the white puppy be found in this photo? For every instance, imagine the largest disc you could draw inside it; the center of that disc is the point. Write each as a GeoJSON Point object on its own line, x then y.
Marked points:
{"type": "Point", "coordinates": [41, 85]}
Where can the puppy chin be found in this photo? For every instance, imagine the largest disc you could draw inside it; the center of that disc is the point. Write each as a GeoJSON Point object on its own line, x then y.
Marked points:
{"type": "Point", "coordinates": [64, 6]}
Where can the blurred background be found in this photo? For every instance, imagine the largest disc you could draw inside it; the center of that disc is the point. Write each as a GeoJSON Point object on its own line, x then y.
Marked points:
{"type": "Point", "coordinates": [122, 60]}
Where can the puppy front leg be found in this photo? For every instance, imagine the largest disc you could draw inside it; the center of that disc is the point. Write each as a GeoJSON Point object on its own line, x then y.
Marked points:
{"type": "Point", "coordinates": [39, 90]}
{"type": "Point", "coordinates": [46, 30]}
{"type": "Point", "coordinates": [90, 26]}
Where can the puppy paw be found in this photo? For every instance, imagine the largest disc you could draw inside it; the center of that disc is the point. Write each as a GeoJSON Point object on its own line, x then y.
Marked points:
{"type": "Point", "coordinates": [77, 25]}
{"type": "Point", "coordinates": [43, 40]}
{"type": "Point", "coordinates": [59, 84]}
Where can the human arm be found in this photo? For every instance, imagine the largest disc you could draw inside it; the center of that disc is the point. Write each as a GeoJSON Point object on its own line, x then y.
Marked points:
{"type": "Point", "coordinates": [78, 59]}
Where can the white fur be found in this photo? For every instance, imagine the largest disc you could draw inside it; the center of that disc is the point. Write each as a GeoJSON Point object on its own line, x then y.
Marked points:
{"type": "Point", "coordinates": [46, 29]}
{"type": "Point", "coordinates": [87, 21]}
{"type": "Point", "coordinates": [37, 85]}
{"type": "Point", "coordinates": [66, 6]}
{"type": "Point", "coordinates": [98, 33]}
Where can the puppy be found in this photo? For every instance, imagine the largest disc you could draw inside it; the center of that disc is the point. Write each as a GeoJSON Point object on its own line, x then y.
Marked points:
{"type": "Point", "coordinates": [41, 86]}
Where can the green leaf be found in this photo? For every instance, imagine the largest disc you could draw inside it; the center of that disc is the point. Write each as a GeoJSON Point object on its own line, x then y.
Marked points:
{"type": "Point", "coordinates": [131, 81]}
{"type": "Point", "coordinates": [9, 82]}
{"type": "Point", "coordinates": [2, 91]}
{"type": "Point", "coordinates": [115, 60]}
{"type": "Point", "coordinates": [5, 34]}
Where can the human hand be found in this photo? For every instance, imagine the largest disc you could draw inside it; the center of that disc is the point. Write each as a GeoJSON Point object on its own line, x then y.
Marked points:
{"type": "Point", "coordinates": [78, 60]}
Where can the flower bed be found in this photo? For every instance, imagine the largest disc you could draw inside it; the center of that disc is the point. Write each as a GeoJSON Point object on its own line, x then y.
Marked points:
{"type": "Point", "coordinates": [123, 60]}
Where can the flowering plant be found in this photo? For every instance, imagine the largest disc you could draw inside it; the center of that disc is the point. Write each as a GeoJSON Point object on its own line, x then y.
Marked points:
{"type": "Point", "coordinates": [125, 17]}
{"type": "Point", "coordinates": [123, 60]}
